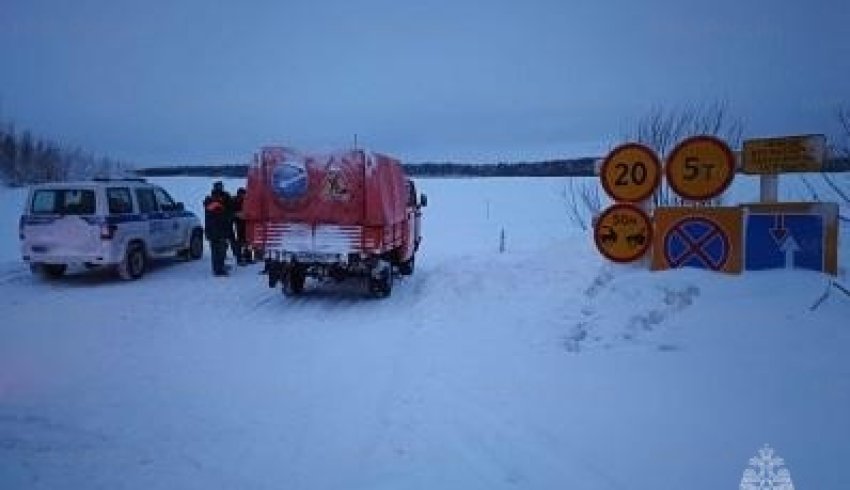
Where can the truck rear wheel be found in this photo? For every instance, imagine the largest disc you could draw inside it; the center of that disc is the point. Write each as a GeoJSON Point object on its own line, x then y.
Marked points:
{"type": "Point", "coordinates": [406, 267]}
{"type": "Point", "coordinates": [293, 282]}
{"type": "Point", "coordinates": [381, 286]}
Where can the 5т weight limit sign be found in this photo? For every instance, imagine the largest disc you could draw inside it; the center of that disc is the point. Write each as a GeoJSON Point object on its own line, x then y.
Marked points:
{"type": "Point", "coordinates": [630, 173]}
{"type": "Point", "coordinates": [700, 168]}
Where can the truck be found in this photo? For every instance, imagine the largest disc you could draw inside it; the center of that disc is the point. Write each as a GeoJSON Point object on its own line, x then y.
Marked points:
{"type": "Point", "coordinates": [347, 214]}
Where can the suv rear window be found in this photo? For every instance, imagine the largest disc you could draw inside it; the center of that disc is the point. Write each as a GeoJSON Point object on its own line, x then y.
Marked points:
{"type": "Point", "coordinates": [119, 200]}
{"type": "Point", "coordinates": [63, 201]}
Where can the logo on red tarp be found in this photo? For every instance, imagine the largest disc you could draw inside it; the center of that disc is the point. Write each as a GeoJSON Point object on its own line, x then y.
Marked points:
{"type": "Point", "coordinates": [335, 185]}
{"type": "Point", "coordinates": [289, 179]}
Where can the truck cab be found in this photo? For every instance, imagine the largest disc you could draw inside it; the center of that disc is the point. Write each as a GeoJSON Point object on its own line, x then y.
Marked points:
{"type": "Point", "coordinates": [415, 203]}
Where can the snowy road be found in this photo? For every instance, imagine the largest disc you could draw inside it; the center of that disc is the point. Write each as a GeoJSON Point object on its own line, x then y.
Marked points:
{"type": "Point", "coordinates": [543, 367]}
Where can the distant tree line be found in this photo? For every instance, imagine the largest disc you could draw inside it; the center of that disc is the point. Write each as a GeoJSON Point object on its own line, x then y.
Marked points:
{"type": "Point", "coordinates": [579, 167]}
{"type": "Point", "coordinates": [28, 159]}
{"type": "Point", "coordinates": [234, 171]}
{"type": "Point", "coordinates": [550, 168]}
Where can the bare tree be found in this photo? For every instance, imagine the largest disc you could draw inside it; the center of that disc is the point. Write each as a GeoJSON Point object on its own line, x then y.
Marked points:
{"type": "Point", "coordinates": [841, 149]}
{"type": "Point", "coordinates": [582, 201]}
{"type": "Point", "coordinates": [8, 152]}
{"type": "Point", "coordinates": [26, 159]}
{"type": "Point", "coordinates": [661, 129]}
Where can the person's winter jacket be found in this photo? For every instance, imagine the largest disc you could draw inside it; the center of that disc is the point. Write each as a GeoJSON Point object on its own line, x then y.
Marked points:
{"type": "Point", "coordinates": [218, 221]}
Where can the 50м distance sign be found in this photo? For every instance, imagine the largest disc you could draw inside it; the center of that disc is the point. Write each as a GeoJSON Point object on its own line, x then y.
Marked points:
{"type": "Point", "coordinates": [623, 233]}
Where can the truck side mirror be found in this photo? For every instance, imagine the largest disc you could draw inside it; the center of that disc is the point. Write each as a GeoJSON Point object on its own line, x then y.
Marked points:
{"type": "Point", "coordinates": [423, 200]}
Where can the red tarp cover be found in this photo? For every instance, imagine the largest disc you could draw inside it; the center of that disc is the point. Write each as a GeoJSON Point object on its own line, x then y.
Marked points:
{"type": "Point", "coordinates": [345, 188]}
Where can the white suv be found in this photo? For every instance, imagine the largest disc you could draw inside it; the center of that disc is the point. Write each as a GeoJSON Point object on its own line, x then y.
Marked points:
{"type": "Point", "coordinates": [105, 222]}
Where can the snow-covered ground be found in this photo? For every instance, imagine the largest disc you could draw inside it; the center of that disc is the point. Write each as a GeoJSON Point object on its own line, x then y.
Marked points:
{"type": "Point", "coordinates": [543, 367]}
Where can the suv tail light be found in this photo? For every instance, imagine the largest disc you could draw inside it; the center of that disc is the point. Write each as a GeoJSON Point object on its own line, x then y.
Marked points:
{"type": "Point", "coordinates": [107, 232]}
{"type": "Point", "coordinates": [21, 228]}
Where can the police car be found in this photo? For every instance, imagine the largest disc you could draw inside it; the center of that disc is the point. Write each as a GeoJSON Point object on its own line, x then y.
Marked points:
{"type": "Point", "coordinates": [123, 223]}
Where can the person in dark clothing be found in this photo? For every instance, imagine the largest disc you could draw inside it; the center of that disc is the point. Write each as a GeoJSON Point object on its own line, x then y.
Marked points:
{"type": "Point", "coordinates": [241, 231]}
{"type": "Point", "coordinates": [228, 201]}
{"type": "Point", "coordinates": [218, 226]}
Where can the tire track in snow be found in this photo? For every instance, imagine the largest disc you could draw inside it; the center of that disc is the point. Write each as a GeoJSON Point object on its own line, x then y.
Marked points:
{"type": "Point", "coordinates": [15, 274]}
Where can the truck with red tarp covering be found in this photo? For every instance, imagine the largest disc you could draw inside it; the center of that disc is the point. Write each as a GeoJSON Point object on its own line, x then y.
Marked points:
{"type": "Point", "coordinates": [346, 214]}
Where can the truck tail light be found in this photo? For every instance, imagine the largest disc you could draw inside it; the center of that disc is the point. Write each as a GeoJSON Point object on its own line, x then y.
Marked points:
{"type": "Point", "coordinates": [107, 232]}
{"type": "Point", "coordinates": [21, 228]}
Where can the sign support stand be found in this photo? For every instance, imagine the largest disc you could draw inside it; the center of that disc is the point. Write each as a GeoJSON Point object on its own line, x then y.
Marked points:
{"type": "Point", "coordinates": [644, 262]}
{"type": "Point", "coordinates": [769, 188]}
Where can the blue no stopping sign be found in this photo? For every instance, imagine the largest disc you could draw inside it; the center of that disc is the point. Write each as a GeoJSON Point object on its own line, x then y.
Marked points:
{"type": "Point", "coordinates": [696, 242]}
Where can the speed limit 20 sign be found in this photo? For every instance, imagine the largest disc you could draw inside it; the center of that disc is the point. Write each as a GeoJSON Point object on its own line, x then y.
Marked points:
{"type": "Point", "coordinates": [700, 168]}
{"type": "Point", "coordinates": [630, 172]}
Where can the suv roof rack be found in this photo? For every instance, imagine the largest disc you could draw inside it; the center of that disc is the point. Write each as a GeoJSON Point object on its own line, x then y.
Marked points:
{"type": "Point", "coordinates": [116, 179]}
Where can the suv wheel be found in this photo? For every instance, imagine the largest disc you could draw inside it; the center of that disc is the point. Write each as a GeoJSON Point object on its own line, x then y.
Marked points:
{"type": "Point", "coordinates": [196, 245]}
{"type": "Point", "coordinates": [134, 263]}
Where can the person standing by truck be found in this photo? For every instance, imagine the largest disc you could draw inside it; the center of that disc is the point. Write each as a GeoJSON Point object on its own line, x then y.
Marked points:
{"type": "Point", "coordinates": [218, 226]}
{"type": "Point", "coordinates": [230, 213]}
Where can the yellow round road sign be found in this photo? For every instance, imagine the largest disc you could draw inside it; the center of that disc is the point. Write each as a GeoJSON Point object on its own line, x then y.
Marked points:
{"type": "Point", "coordinates": [700, 167]}
{"type": "Point", "coordinates": [623, 233]}
{"type": "Point", "coordinates": [630, 172]}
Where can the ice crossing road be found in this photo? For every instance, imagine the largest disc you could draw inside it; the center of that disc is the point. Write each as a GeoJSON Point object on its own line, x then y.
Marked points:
{"type": "Point", "coordinates": [541, 367]}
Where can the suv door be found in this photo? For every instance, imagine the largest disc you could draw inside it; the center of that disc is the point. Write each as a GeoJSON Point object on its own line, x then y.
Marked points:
{"type": "Point", "coordinates": [124, 222]}
{"type": "Point", "coordinates": [158, 232]}
{"type": "Point", "coordinates": [177, 227]}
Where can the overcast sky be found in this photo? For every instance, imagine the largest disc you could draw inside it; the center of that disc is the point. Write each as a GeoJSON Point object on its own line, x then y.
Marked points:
{"type": "Point", "coordinates": [159, 82]}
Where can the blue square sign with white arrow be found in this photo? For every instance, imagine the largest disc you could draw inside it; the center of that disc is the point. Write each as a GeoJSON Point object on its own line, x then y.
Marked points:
{"type": "Point", "coordinates": [784, 241]}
